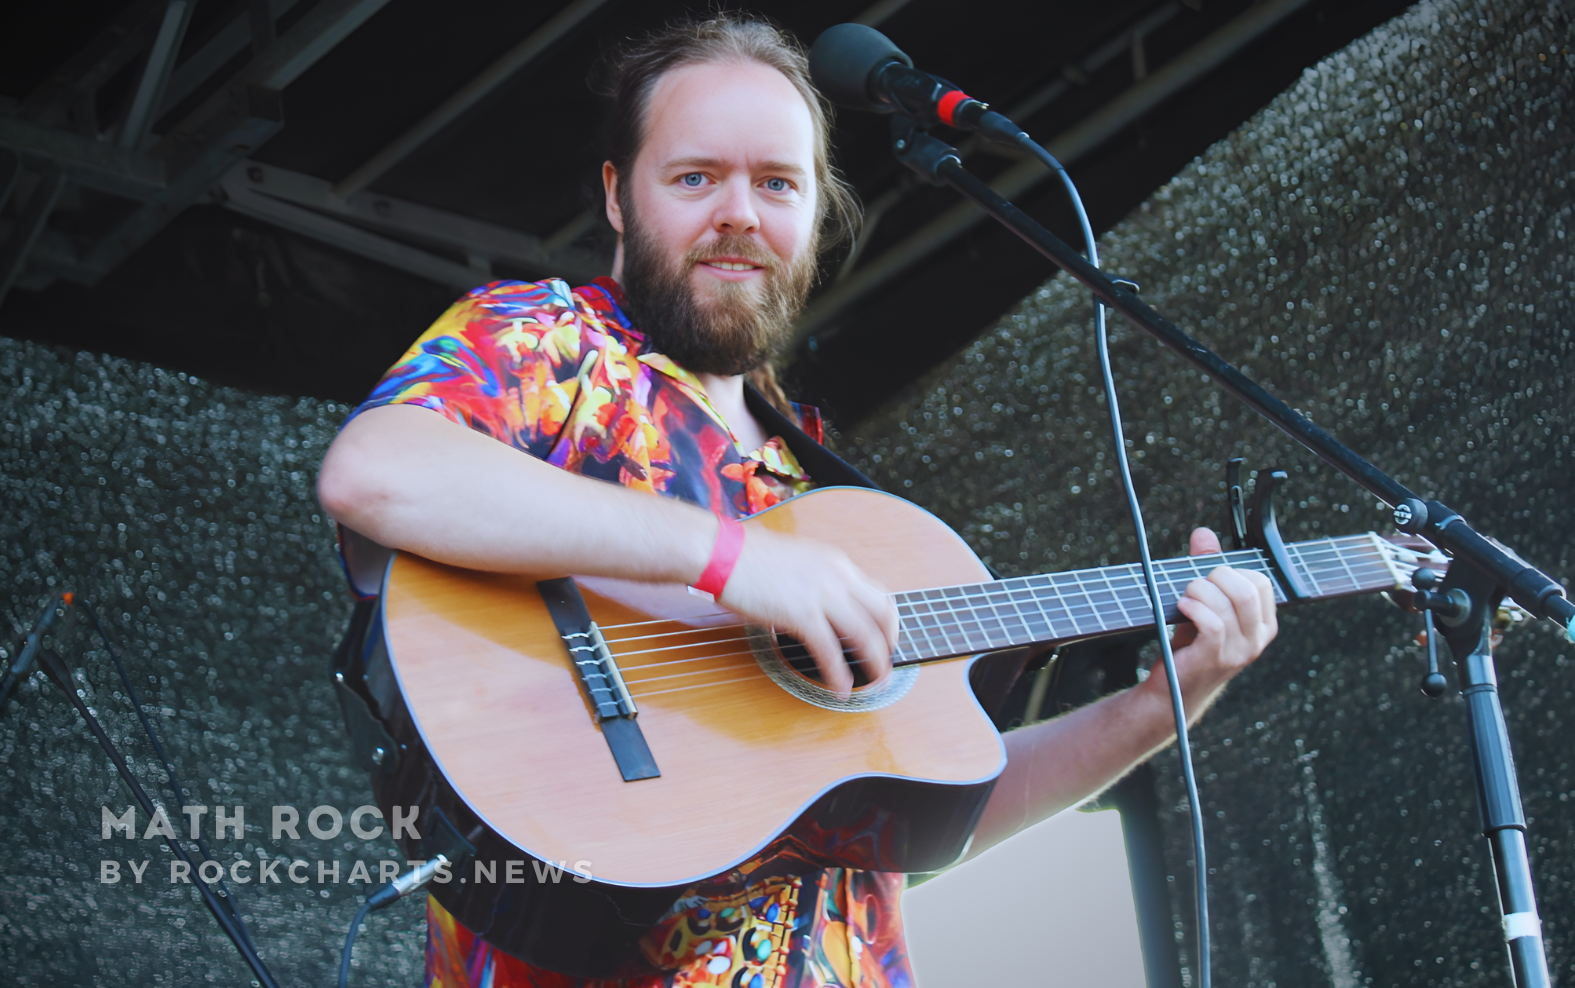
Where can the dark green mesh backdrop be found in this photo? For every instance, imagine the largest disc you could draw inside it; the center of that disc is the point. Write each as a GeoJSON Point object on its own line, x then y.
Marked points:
{"type": "Point", "coordinates": [1385, 244]}
{"type": "Point", "coordinates": [186, 513]}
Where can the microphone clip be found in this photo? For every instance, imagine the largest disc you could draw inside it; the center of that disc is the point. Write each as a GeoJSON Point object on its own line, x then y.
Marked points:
{"type": "Point", "coordinates": [927, 155]}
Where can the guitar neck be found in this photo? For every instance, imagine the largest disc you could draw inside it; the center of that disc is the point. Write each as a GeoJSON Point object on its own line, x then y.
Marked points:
{"type": "Point", "coordinates": [1061, 607]}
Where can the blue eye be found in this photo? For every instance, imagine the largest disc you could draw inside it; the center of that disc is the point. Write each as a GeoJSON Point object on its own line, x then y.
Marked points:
{"type": "Point", "coordinates": [777, 184]}
{"type": "Point", "coordinates": [694, 180]}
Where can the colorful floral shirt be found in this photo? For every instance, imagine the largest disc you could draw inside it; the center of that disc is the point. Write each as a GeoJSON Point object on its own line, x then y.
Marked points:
{"type": "Point", "coordinates": [561, 374]}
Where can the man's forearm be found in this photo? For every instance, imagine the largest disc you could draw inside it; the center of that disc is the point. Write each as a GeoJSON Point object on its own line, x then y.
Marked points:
{"type": "Point", "coordinates": [411, 479]}
{"type": "Point", "coordinates": [1056, 764]}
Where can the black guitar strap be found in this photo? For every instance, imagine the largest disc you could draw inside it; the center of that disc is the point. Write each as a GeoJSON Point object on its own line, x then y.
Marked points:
{"type": "Point", "coordinates": [825, 467]}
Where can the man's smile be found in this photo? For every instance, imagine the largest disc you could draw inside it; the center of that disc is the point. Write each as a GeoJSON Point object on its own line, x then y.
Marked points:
{"type": "Point", "coordinates": [731, 268]}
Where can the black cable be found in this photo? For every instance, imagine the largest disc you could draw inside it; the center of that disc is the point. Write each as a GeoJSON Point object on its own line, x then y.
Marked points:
{"type": "Point", "coordinates": [61, 678]}
{"type": "Point", "coordinates": [178, 790]}
{"type": "Point", "coordinates": [1177, 706]}
{"type": "Point", "coordinates": [355, 927]}
{"type": "Point", "coordinates": [387, 896]}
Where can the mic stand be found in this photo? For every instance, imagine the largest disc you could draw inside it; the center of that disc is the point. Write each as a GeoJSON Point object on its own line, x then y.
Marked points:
{"type": "Point", "coordinates": [1481, 573]}
{"type": "Point", "coordinates": [1465, 605]}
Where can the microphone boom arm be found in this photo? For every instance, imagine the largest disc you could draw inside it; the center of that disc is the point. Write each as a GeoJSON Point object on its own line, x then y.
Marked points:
{"type": "Point", "coordinates": [1530, 588]}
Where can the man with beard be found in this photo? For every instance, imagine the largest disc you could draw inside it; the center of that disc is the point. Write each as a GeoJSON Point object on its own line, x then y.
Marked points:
{"type": "Point", "coordinates": [657, 379]}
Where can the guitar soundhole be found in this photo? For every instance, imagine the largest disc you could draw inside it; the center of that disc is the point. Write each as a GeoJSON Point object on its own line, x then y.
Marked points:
{"type": "Point", "coordinates": [798, 657]}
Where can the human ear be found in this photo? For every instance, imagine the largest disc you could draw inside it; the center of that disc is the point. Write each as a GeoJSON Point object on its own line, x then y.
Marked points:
{"type": "Point", "coordinates": [610, 188]}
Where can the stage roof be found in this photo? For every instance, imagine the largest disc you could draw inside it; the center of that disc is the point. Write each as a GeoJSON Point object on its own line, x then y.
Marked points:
{"type": "Point", "coordinates": [281, 194]}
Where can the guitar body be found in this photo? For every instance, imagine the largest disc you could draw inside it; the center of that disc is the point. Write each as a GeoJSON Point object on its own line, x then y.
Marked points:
{"type": "Point", "coordinates": [499, 744]}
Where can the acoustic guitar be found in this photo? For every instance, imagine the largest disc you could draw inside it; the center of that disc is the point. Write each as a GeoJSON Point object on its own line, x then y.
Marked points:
{"type": "Point", "coordinates": [626, 744]}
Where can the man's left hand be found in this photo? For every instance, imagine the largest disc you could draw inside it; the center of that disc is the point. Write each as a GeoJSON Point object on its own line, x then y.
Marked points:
{"type": "Point", "coordinates": [1232, 617]}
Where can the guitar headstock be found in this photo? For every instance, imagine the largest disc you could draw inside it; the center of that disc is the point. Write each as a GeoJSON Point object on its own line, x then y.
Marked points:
{"type": "Point", "coordinates": [1406, 554]}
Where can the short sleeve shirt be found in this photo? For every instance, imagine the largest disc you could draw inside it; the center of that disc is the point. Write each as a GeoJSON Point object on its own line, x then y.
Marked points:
{"type": "Point", "coordinates": [560, 373]}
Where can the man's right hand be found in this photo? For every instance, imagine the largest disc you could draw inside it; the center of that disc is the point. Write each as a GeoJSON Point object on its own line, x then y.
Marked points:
{"type": "Point", "coordinates": [815, 593]}
{"type": "Point", "coordinates": [411, 479]}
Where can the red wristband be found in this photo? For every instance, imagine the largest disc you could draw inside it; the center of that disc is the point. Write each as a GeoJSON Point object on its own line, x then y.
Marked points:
{"type": "Point", "coordinates": [724, 556]}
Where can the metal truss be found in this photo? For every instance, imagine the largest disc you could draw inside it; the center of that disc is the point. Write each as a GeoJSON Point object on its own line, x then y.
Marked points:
{"type": "Point", "coordinates": [382, 228]}
{"type": "Point", "coordinates": [52, 141]}
{"type": "Point", "coordinates": [59, 147]}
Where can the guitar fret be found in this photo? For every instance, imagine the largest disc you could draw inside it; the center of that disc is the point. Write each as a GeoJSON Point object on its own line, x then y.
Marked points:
{"type": "Point", "coordinates": [1011, 594]}
{"type": "Point", "coordinates": [1044, 612]}
{"type": "Point", "coordinates": [945, 620]}
{"type": "Point", "coordinates": [940, 611]}
{"type": "Point", "coordinates": [1035, 622]}
{"type": "Point", "coordinates": [1093, 602]}
{"type": "Point", "coordinates": [963, 623]}
{"type": "Point", "coordinates": [1048, 583]}
{"type": "Point", "coordinates": [998, 621]}
{"type": "Point", "coordinates": [926, 620]}
{"type": "Point", "coordinates": [954, 624]}
{"type": "Point", "coordinates": [1017, 596]}
{"type": "Point", "coordinates": [1120, 602]}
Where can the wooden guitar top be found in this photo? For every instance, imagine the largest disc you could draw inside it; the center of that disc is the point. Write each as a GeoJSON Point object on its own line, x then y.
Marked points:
{"type": "Point", "coordinates": [490, 687]}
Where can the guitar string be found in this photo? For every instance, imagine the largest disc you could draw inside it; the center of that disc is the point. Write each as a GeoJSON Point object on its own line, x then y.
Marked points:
{"type": "Point", "coordinates": [634, 670]}
{"type": "Point", "coordinates": [958, 626]}
{"type": "Point", "coordinates": [1117, 586]}
{"type": "Point", "coordinates": [1180, 562]}
{"type": "Point", "coordinates": [696, 675]}
{"type": "Point", "coordinates": [1005, 587]}
{"type": "Point", "coordinates": [725, 668]}
{"type": "Point", "coordinates": [729, 682]}
{"type": "Point", "coordinates": [731, 667]}
{"type": "Point", "coordinates": [1118, 579]}
{"type": "Point", "coordinates": [699, 686]}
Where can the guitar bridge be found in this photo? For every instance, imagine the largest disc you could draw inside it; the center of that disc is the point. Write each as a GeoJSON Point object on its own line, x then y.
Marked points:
{"type": "Point", "coordinates": [599, 672]}
{"type": "Point", "coordinates": [600, 678]}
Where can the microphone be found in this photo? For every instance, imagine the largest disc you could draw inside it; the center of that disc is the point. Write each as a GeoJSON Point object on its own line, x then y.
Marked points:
{"type": "Point", "coordinates": [858, 67]}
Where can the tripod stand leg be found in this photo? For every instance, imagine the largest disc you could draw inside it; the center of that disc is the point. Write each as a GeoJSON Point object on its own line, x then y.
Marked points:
{"type": "Point", "coordinates": [1498, 803]}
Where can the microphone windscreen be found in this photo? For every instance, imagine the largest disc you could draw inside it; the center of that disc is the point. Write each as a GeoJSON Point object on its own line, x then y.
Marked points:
{"type": "Point", "coordinates": [842, 58]}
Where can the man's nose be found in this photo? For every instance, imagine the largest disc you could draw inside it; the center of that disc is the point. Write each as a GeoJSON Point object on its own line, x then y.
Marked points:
{"type": "Point", "coordinates": [735, 208]}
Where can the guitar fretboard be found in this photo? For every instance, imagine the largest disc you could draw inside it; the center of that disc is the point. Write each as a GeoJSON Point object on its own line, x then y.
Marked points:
{"type": "Point", "coordinates": [1054, 607]}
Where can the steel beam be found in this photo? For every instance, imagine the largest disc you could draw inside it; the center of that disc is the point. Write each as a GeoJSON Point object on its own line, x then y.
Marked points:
{"type": "Point", "coordinates": [200, 66]}
{"type": "Point", "coordinates": [327, 24]}
{"type": "Point", "coordinates": [261, 15]}
{"type": "Point", "coordinates": [155, 72]}
{"type": "Point", "coordinates": [92, 163]}
{"type": "Point", "coordinates": [473, 92]}
{"type": "Point", "coordinates": [407, 220]}
{"type": "Point", "coordinates": [229, 125]}
{"type": "Point", "coordinates": [1169, 79]}
{"type": "Point", "coordinates": [14, 251]}
{"type": "Point", "coordinates": [337, 233]}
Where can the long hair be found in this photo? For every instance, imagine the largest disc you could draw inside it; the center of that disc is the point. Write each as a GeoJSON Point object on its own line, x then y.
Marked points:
{"type": "Point", "coordinates": [630, 73]}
